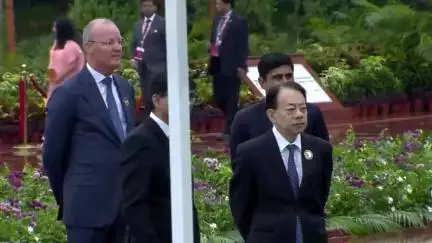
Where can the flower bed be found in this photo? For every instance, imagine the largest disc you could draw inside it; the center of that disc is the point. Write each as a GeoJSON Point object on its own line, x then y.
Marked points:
{"type": "Point", "coordinates": [379, 185]}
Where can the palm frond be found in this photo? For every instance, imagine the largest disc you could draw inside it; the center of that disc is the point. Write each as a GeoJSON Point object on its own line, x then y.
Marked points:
{"type": "Point", "coordinates": [379, 223]}
{"type": "Point", "coordinates": [226, 237]}
{"type": "Point", "coordinates": [408, 219]}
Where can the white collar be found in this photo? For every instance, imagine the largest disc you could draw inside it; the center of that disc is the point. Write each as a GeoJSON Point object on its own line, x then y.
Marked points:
{"type": "Point", "coordinates": [151, 18]}
{"type": "Point", "coordinates": [228, 15]}
{"type": "Point", "coordinates": [161, 124]}
{"type": "Point", "coordinates": [98, 77]}
{"type": "Point", "coordinates": [283, 142]}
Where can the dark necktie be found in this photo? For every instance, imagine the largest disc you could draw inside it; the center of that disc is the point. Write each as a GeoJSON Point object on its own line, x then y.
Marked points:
{"type": "Point", "coordinates": [112, 108]}
{"type": "Point", "coordinates": [146, 28]}
{"type": "Point", "coordinates": [294, 178]}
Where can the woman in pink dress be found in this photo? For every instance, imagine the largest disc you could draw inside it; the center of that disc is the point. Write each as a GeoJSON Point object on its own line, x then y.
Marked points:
{"type": "Point", "coordinates": [66, 56]}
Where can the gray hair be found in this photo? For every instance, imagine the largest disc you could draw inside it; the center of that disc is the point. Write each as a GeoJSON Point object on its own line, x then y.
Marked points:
{"type": "Point", "coordinates": [87, 34]}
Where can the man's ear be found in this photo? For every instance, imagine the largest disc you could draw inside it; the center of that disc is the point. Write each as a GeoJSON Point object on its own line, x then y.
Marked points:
{"type": "Point", "coordinates": [270, 115]}
{"type": "Point", "coordinates": [155, 99]}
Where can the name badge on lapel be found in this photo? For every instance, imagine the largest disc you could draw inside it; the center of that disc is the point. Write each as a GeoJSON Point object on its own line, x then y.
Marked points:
{"type": "Point", "coordinates": [308, 154]}
{"type": "Point", "coordinates": [126, 102]}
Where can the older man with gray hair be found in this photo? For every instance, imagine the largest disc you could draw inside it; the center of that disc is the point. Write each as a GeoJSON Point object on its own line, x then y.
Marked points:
{"type": "Point", "coordinates": [87, 120]}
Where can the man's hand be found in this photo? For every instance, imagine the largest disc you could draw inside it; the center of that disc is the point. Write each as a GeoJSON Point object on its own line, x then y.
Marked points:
{"type": "Point", "coordinates": [134, 64]}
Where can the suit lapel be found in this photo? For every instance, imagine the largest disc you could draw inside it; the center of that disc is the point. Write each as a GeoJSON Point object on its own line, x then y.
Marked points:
{"type": "Point", "coordinates": [161, 140]}
{"type": "Point", "coordinates": [94, 97]}
{"type": "Point", "coordinates": [276, 163]}
{"type": "Point", "coordinates": [228, 25]}
{"type": "Point", "coordinates": [308, 158]}
{"type": "Point", "coordinates": [125, 101]}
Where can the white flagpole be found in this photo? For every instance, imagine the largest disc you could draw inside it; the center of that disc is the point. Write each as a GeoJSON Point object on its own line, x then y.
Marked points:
{"type": "Point", "coordinates": [179, 123]}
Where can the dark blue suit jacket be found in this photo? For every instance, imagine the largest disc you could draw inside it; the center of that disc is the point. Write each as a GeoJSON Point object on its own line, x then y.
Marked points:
{"type": "Point", "coordinates": [82, 151]}
{"type": "Point", "coordinates": [234, 49]}
{"type": "Point", "coordinates": [252, 122]}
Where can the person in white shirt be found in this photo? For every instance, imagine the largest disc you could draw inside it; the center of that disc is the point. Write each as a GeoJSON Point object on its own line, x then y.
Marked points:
{"type": "Point", "coordinates": [148, 48]}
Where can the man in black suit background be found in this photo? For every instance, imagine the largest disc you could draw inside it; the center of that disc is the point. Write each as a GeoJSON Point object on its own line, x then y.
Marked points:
{"type": "Point", "coordinates": [146, 170]}
{"type": "Point", "coordinates": [88, 118]}
{"type": "Point", "coordinates": [274, 69]}
{"type": "Point", "coordinates": [228, 50]}
{"type": "Point", "coordinates": [148, 47]}
{"type": "Point", "coordinates": [281, 179]}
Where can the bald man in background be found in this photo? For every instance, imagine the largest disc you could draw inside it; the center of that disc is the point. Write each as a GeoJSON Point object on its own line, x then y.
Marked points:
{"type": "Point", "coordinates": [88, 118]}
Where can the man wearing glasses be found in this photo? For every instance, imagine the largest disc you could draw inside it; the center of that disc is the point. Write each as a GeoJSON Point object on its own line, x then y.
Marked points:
{"type": "Point", "coordinates": [88, 118]}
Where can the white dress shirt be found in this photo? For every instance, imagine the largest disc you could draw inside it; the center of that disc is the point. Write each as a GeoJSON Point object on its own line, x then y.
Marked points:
{"type": "Point", "coordinates": [151, 18]}
{"type": "Point", "coordinates": [282, 144]}
{"type": "Point", "coordinates": [161, 124]}
{"type": "Point", "coordinates": [98, 77]}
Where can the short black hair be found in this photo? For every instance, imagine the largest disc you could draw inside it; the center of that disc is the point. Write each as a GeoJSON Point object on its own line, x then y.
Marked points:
{"type": "Point", "coordinates": [272, 61]}
{"type": "Point", "coordinates": [65, 31]}
{"type": "Point", "coordinates": [153, 1]}
{"type": "Point", "coordinates": [159, 86]}
{"type": "Point", "coordinates": [273, 93]}
{"type": "Point", "coordinates": [231, 2]}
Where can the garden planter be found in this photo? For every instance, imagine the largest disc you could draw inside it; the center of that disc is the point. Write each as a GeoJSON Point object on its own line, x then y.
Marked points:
{"type": "Point", "coordinates": [357, 110]}
{"type": "Point", "coordinates": [384, 109]}
{"type": "Point", "coordinates": [417, 105]}
{"type": "Point", "coordinates": [199, 127]}
{"type": "Point", "coordinates": [371, 110]}
{"type": "Point", "coordinates": [428, 99]}
{"type": "Point", "coordinates": [417, 99]}
{"type": "Point", "coordinates": [340, 239]}
{"type": "Point", "coordinates": [399, 105]}
{"type": "Point", "coordinates": [215, 124]}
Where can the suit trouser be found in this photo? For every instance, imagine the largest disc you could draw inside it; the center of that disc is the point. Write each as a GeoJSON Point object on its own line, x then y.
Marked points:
{"type": "Point", "coordinates": [115, 233]}
{"type": "Point", "coordinates": [226, 94]}
{"type": "Point", "coordinates": [145, 83]}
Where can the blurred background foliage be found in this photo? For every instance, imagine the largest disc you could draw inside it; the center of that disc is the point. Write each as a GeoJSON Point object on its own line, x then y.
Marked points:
{"type": "Point", "coordinates": [339, 38]}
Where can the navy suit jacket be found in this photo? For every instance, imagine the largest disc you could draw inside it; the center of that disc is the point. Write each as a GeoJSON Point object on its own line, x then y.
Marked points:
{"type": "Point", "coordinates": [252, 122]}
{"type": "Point", "coordinates": [154, 58]}
{"type": "Point", "coordinates": [81, 153]}
{"type": "Point", "coordinates": [234, 49]}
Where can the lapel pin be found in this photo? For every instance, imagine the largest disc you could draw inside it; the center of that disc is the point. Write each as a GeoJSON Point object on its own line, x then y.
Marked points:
{"type": "Point", "coordinates": [308, 154]}
{"type": "Point", "coordinates": [155, 31]}
{"type": "Point", "coordinates": [126, 102]}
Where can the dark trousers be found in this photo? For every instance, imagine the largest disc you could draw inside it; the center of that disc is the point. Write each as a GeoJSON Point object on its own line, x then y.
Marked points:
{"type": "Point", "coordinates": [226, 93]}
{"type": "Point", "coordinates": [115, 233]}
{"type": "Point", "coordinates": [145, 83]}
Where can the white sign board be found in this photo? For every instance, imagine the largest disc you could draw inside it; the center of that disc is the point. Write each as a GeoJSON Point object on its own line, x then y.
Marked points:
{"type": "Point", "coordinates": [314, 92]}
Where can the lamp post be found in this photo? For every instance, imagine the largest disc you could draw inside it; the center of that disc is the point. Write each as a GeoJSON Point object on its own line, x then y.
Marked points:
{"type": "Point", "coordinates": [211, 8]}
{"type": "Point", "coordinates": [10, 25]}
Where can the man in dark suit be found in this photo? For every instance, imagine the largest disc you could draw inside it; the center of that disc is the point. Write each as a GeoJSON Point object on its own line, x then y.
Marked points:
{"type": "Point", "coordinates": [281, 179]}
{"type": "Point", "coordinates": [88, 117]}
{"type": "Point", "coordinates": [146, 169]}
{"type": "Point", "coordinates": [148, 47]}
{"type": "Point", "coordinates": [274, 69]}
{"type": "Point", "coordinates": [228, 50]}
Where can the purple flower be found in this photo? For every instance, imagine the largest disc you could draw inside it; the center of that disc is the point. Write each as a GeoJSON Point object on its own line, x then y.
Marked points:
{"type": "Point", "coordinates": [200, 186]}
{"type": "Point", "coordinates": [355, 181]}
{"type": "Point", "coordinates": [358, 143]}
{"type": "Point", "coordinates": [36, 204]}
{"type": "Point", "coordinates": [410, 147]}
{"type": "Point", "coordinates": [416, 134]}
{"type": "Point", "coordinates": [5, 207]}
{"type": "Point", "coordinates": [15, 178]}
{"type": "Point", "coordinates": [400, 159]}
